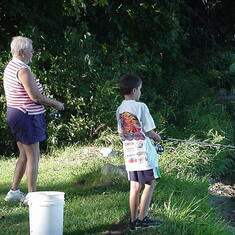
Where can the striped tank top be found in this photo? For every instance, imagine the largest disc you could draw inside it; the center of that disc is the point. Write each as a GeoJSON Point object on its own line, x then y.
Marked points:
{"type": "Point", "coordinates": [16, 95]}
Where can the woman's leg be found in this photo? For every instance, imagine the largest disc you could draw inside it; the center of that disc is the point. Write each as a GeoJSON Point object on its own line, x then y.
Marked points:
{"type": "Point", "coordinates": [20, 167]}
{"type": "Point", "coordinates": [135, 188]}
{"type": "Point", "coordinates": [146, 199]}
{"type": "Point", "coordinates": [32, 154]}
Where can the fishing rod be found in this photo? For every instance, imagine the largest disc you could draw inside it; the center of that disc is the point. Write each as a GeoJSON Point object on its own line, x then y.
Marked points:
{"type": "Point", "coordinates": [199, 143]}
{"type": "Point", "coordinates": [159, 148]}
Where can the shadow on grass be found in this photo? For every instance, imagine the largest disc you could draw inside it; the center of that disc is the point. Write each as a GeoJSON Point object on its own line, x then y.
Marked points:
{"type": "Point", "coordinates": [15, 219]}
{"type": "Point", "coordinates": [118, 228]}
{"type": "Point", "coordinates": [82, 186]}
{"type": "Point", "coordinates": [92, 183]}
{"type": "Point", "coordinates": [225, 208]}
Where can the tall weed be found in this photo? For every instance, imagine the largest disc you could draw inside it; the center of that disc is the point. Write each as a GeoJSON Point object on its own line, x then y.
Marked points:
{"type": "Point", "coordinates": [194, 159]}
{"type": "Point", "coordinates": [190, 216]}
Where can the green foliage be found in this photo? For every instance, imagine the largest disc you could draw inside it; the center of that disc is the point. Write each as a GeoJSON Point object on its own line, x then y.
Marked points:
{"type": "Point", "coordinates": [206, 115]}
{"type": "Point", "coordinates": [232, 68]}
{"type": "Point", "coordinates": [82, 48]}
{"type": "Point", "coordinates": [6, 140]}
{"type": "Point", "coordinates": [109, 138]}
{"type": "Point", "coordinates": [220, 73]}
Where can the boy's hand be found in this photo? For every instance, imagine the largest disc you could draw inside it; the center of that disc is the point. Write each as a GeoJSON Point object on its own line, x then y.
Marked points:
{"type": "Point", "coordinates": [154, 135]}
{"type": "Point", "coordinates": [164, 138]}
{"type": "Point", "coordinates": [159, 148]}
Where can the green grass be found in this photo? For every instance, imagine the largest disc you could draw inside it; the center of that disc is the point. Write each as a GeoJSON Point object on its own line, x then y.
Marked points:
{"type": "Point", "coordinates": [95, 203]}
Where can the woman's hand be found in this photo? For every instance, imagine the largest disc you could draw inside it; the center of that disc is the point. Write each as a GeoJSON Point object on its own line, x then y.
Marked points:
{"type": "Point", "coordinates": [59, 105]}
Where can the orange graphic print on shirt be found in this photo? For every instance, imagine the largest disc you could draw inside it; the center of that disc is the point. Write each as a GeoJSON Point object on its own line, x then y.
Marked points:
{"type": "Point", "coordinates": [131, 128]}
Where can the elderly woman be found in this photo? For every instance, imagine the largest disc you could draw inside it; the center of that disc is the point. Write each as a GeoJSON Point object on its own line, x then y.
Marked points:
{"type": "Point", "coordinates": [25, 114]}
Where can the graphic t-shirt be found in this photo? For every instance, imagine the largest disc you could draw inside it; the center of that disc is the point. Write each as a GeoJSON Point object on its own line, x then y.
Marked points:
{"type": "Point", "coordinates": [134, 120]}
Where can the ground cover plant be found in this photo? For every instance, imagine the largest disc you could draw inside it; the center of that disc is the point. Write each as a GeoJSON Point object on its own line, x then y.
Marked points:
{"type": "Point", "coordinates": [97, 204]}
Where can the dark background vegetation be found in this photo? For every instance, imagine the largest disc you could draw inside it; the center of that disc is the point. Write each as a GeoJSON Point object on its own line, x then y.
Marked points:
{"type": "Point", "coordinates": [183, 50]}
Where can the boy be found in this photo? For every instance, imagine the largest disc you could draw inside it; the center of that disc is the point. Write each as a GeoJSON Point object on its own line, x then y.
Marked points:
{"type": "Point", "coordinates": [136, 127]}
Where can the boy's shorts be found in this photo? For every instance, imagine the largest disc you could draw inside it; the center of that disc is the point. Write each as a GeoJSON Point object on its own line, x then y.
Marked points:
{"type": "Point", "coordinates": [27, 129]}
{"type": "Point", "coordinates": [145, 176]}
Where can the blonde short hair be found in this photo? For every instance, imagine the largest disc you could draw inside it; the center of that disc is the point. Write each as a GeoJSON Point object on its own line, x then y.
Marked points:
{"type": "Point", "coordinates": [19, 43]}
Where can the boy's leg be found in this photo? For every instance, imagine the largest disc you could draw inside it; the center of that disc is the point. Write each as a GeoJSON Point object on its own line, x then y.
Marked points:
{"type": "Point", "coordinates": [135, 188]}
{"type": "Point", "coordinates": [146, 199]}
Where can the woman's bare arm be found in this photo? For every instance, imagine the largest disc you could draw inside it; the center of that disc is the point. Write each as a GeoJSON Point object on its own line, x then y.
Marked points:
{"type": "Point", "coordinates": [30, 85]}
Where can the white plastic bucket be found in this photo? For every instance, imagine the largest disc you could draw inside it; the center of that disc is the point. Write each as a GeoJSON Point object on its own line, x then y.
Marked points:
{"type": "Point", "coordinates": [46, 212]}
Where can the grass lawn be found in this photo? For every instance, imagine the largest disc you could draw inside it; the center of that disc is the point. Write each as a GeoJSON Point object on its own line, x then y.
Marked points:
{"type": "Point", "coordinates": [97, 204]}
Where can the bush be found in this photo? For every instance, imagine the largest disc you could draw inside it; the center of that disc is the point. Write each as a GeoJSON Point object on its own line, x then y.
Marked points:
{"type": "Point", "coordinates": [97, 41]}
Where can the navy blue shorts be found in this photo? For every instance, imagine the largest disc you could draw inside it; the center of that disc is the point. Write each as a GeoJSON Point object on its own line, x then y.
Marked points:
{"type": "Point", "coordinates": [27, 129]}
{"type": "Point", "coordinates": [141, 176]}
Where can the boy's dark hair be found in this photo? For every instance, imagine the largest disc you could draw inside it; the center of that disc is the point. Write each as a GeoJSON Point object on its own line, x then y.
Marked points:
{"type": "Point", "coordinates": [128, 82]}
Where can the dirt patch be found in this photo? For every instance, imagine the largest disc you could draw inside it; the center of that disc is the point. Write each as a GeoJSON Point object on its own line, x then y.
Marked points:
{"type": "Point", "coordinates": [223, 191]}
{"type": "Point", "coordinates": [118, 228]}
